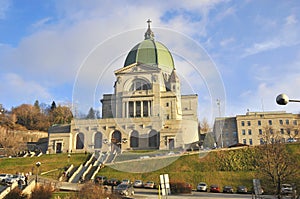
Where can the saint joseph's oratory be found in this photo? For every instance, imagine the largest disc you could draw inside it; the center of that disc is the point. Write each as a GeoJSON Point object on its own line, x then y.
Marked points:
{"type": "Point", "coordinates": [146, 110]}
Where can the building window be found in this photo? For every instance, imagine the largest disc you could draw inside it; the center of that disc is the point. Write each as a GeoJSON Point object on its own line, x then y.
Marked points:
{"type": "Point", "coordinates": [271, 131]}
{"type": "Point", "coordinates": [287, 122]}
{"type": "Point", "coordinates": [244, 141]}
{"type": "Point", "coordinates": [248, 123]}
{"type": "Point", "coordinates": [296, 132]}
{"type": "Point", "coordinates": [145, 109]}
{"type": "Point", "coordinates": [259, 123]}
{"type": "Point", "coordinates": [295, 122]}
{"type": "Point", "coordinates": [282, 131]}
{"type": "Point", "coordinates": [131, 113]}
{"type": "Point", "coordinates": [270, 122]}
{"type": "Point", "coordinates": [280, 122]}
{"type": "Point", "coordinates": [234, 134]}
{"type": "Point", "coordinates": [288, 131]}
{"type": "Point", "coordinates": [261, 141]}
{"type": "Point", "coordinates": [140, 84]}
{"type": "Point", "coordinates": [250, 142]}
{"type": "Point", "coordinates": [243, 123]}
{"type": "Point", "coordinates": [260, 131]}
{"type": "Point", "coordinates": [243, 132]}
{"type": "Point", "coordinates": [249, 132]}
{"type": "Point", "coordinates": [167, 104]}
{"type": "Point", "coordinates": [138, 109]}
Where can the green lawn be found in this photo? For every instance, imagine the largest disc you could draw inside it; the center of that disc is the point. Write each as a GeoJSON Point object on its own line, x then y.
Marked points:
{"type": "Point", "coordinates": [53, 162]}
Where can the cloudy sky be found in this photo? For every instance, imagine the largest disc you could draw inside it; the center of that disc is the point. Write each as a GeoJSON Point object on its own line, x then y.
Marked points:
{"type": "Point", "coordinates": [66, 50]}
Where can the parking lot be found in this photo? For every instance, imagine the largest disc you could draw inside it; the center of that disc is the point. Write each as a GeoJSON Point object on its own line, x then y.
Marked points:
{"type": "Point", "coordinates": [151, 194]}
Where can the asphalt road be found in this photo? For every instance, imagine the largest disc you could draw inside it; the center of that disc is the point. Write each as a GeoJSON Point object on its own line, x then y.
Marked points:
{"type": "Point", "coordinates": [153, 194]}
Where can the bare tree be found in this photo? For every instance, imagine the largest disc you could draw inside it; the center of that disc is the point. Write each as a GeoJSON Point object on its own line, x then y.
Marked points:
{"type": "Point", "coordinates": [204, 126]}
{"type": "Point", "coordinates": [274, 161]}
{"type": "Point", "coordinates": [12, 142]}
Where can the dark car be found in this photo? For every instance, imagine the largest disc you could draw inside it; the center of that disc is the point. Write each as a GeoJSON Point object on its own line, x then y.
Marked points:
{"type": "Point", "coordinates": [227, 189]}
{"type": "Point", "coordinates": [100, 179]}
{"type": "Point", "coordinates": [241, 189]}
{"type": "Point", "coordinates": [113, 182]}
{"type": "Point", "coordinates": [214, 188]}
{"type": "Point", "coordinates": [124, 189]}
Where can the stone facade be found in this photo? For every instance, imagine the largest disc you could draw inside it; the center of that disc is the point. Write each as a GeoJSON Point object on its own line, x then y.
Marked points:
{"type": "Point", "coordinates": [146, 110]}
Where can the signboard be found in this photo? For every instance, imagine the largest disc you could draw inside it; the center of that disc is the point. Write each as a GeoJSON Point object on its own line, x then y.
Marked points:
{"type": "Point", "coordinates": [257, 187]}
{"type": "Point", "coordinates": [165, 184]}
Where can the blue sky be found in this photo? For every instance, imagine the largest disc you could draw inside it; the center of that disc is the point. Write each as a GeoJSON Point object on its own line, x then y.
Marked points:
{"type": "Point", "coordinates": [254, 45]}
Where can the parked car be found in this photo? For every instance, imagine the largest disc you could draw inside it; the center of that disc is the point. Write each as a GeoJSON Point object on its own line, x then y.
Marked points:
{"type": "Point", "coordinates": [138, 184]}
{"type": "Point", "coordinates": [214, 188]}
{"type": "Point", "coordinates": [124, 189]}
{"type": "Point", "coordinates": [100, 179]}
{"type": "Point", "coordinates": [291, 140]}
{"type": "Point", "coordinates": [286, 189]}
{"type": "Point", "coordinates": [202, 186]}
{"type": "Point", "coordinates": [113, 182]}
{"type": "Point", "coordinates": [150, 184]}
{"type": "Point", "coordinates": [241, 189]}
{"type": "Point", "coordinates": [125, 181]}
{"type": "Point", "coordinates": [4, 176]}
{"type": "Point", "coordinates": [227, 189]}
{"type": "Point", "coordinates": [15, 178]}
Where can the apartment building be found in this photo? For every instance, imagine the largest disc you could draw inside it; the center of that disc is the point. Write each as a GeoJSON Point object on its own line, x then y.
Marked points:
{"type": "Point", "coordinates": [249, 128]}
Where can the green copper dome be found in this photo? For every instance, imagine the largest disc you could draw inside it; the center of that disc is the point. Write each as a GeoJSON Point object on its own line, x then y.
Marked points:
{"type": "Point", "coordinates": [150, 52]}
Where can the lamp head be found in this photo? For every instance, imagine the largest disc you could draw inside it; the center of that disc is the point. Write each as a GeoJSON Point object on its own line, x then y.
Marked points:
{"type": "Point", "coordinates": [282, 99]}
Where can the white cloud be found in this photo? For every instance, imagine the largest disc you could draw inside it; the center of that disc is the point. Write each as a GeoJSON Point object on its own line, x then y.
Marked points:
{"type": "Point", "coordinates": [227, 41]}
{"type": "Point", "coordinates": [291, 20]}
{"type": "Point", "coordinates": [41, 22]}
{"type": "Point", "coordinates": [4, 6]}
{"type": "Point", "coordinates": [24, 90]}
{"type": "Point", "coordinates": [261, 47]}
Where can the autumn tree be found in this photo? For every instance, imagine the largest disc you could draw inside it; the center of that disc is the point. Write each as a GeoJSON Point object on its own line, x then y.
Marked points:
{"type": "Point", "coordinates": [61, 115]}
{"type": "Point", "coordinates": [274, 161]}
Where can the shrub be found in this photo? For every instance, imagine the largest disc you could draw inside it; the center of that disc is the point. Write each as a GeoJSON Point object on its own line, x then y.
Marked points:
{"type": "Point", "coordinates": [16, 193]}
{"type": "Point", "coordinates": [42, 192]}
{"type": "Point", "coordinates": [180, 187]}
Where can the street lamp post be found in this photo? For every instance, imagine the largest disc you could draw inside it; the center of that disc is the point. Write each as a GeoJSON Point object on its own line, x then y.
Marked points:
{"type": "Point", "coordinates": [38, 164]}
{"type": "Point", "coordinates": [221, 135]}
{"type": "Point", "coordinates": [283, 99]}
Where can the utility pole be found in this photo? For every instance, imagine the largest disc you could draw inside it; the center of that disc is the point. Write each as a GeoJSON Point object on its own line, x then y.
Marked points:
{"type": "Point", "coordinates": [219, 108]}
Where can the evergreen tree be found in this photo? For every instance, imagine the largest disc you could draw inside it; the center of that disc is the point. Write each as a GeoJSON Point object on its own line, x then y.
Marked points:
{"type": "Point", "coordinates": [53, 106]}
{"type": "Point", "coordinates": [91, 114]}
{"type": "Point", "coordinates": [37, 105]}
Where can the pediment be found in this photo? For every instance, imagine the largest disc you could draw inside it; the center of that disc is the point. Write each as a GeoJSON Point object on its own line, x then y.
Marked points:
{"type": "Point", "coordinates": [138, 68]}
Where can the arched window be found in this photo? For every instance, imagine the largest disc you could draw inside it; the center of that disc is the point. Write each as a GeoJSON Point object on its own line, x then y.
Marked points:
{"type": "Point", "coordinates": [116, 138]}
{"type": "Point", "coordinates": [153, 139]}
{"type": "Point", "coordinates": [134, 139]}
{"type": "Point", "coordinates": [98, 140]}
{"type": "Point", "coordinates": [80, 141]}
{"type": "Point", "coordinates": [140, 84]}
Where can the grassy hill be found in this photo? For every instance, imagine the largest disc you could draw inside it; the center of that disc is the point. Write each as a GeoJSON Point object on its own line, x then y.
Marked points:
{"type": "Point", "coordinates": [232, 167]}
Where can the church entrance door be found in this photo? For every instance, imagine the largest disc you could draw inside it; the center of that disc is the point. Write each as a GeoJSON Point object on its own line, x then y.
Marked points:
{"type": "Point", "coordinates": [116, 143]}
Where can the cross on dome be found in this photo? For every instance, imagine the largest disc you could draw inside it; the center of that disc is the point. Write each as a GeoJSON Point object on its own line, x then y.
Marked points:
{"type": "Point", "coordinates": [149, 34]}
